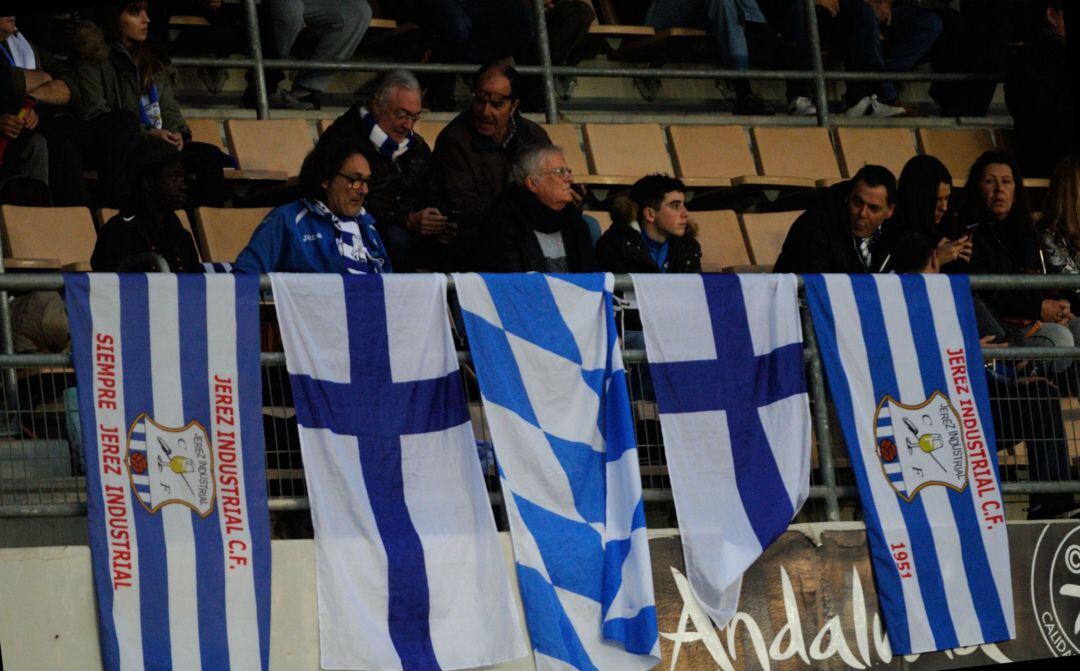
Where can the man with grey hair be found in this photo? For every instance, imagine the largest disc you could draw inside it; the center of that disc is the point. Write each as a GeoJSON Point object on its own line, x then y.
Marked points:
{"type": "Point", "coordinates": [534, 224]}
{"type": "Point", "coordinates": [382, 122]}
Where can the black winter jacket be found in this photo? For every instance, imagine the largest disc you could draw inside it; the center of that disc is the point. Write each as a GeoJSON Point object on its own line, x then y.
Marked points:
{"type": "Point", "coordinates": [508, 235]}
{"type": "Point", "coordinates": [622, 250]}
{"type": "Point", "coordinates": [398, 187]}
{"type": "Point", "coordinates": [1004, 248]}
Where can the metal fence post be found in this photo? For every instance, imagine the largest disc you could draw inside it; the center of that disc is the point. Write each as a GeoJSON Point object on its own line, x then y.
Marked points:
{"type": "Point", "coordinates": [821, 98]}
{"type": "Point", "coordinates": [7, 346]}
{"type": "Point", "coordinates": [262, 103]}
{"type": "Point", "coordinates": [822, 430]}
{"type": "Point", "coordinates": [551, 112]}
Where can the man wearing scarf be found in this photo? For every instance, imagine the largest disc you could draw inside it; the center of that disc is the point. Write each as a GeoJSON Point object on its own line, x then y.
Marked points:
{"type": "Point", "coordinates": [381, 123]}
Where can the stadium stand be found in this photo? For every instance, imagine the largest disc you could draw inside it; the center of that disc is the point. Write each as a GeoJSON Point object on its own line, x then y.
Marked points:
{"type": "Point", "coordinates": [795, 156]}
{"type": "Point", "coordinates": [622, 153]}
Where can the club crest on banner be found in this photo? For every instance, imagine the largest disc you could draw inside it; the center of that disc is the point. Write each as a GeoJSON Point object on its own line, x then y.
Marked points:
{"type": "Point", "coordinates": [170, 465]}
{"type": "Point", "coordinates": [920, 445]}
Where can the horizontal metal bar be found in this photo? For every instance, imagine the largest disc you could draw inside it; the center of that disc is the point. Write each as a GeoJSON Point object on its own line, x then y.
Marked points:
{"type": "Point", "coordinates": [578, 71]}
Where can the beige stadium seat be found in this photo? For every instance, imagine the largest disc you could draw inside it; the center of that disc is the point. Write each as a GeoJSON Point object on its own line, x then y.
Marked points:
{"type": "Point", "coordinates": [429, 129]}
{"type": "Point", "coordinates": [47, 237]}
{"type": "Point", "coordinates": [623, 153]}
{"type": "Point", "coordinates": [711, 155]}
{"type": "Point", "coordinates": [765, 234]}
{"type": "Point", "coordinates": [794, 156]}
{"type": "Point", "coordinates": [224, 232]}
{"type": "Point", "coordinates": [722, 244]}
{"type": "Point", "coordinates": [890, 147]}
{"type": "Point", "coordinates": [323, 124]}
{"type": "Point", "coordinates": [565, 135]}
{"type": "Point", "coordinates": [956, 148]}
{"type": "Point", "coordinates": [208, 131]}
{"type": "Point", "coordinates": [276, 147]}
{"type": "Point", "coordinates": [602, 217]}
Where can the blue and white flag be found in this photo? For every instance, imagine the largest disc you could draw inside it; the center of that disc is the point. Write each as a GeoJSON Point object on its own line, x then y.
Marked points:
{"type": "Point", "coordinates": [409, 567]}
{"type": "Point", "coordinates": [726, 359]}
{"type": "Point", "coordinates": [170, 401]}
{"type": "Point", "coordinates": [906, 372]}
{"type": "Point", "coordinates": [556, 401]}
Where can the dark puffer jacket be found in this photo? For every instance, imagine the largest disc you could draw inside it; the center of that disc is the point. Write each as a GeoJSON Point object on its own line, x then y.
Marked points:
{"type": "Point", "coordinates": [398, 187]}
{"type": "Point", "coordinates": [621, 249]}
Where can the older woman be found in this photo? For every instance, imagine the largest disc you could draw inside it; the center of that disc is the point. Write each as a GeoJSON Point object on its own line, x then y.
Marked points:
{"type": "Point", "coordinates": [326, 231]}
{"type": "Point", "coordinates": [1003, 243]}
{"type": "Point", "coordinates": [534, 224]}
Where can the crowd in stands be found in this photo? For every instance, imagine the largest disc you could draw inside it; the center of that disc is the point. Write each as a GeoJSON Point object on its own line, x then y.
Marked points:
{"type": "Point", "coordinates": [492, 192]}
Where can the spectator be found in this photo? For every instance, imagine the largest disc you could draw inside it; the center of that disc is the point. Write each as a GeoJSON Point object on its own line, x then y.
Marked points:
{"type": "Point", "coordinates": [466, 31]}
{"type": "Point", "coordinates": [534, 224]}
{"type": "Point", "coordinates": [1059, 228]}
{"type": "Point", "coordinates": [847, 231]}
{"type": "Point", "coordinates": [1003, 243]}
{"type": "Point", "coordinates": [568, 24]}
{"type": "Point", "coordinates": [651, 231]}
{"type": "Point", "coordinates": [1037, 93]}
{"type": "Point", "coordinates": [124, 92]}
{"type": "Point", "coordinates": [24, 168]}
{"type": "Point", "coordinates": [326, 231]}
{"type": "Point", "coordinates": [339, 24]}
{"type": "Point", "coordinates": [922, 205]}
{"type": "Point", "coordinates": [148, 224]}
{"type": "Point", "coordinates": [725, 20]}
{"type": "Point", "coordinates": [473, 153]}
{"type": "Point", "coordinates": [883, 36]}
{"type": "Point", "coordinates": [1024, 407]}
{"type": "Point", "coordinates": [382, 125]}
{"type": "Point", "coordinates": [42, 81]}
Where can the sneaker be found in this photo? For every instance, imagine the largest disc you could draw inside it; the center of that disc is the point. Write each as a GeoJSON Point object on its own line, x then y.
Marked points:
{"type": "Point", "coordinates": [751, 105]}
{"type": "Point", "coordinates": [880, 109]}
{"type": "Point", "coordinates": [802, 106]}
{"type": "Point", "coordinates": [860, 108]}
{"type": "Point", "coordinates": [213, 79]}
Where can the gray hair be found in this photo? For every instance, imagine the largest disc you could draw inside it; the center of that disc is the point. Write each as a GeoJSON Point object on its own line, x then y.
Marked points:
{"type": "Point", "coordinates": [529, 161]}
{"type": "Point", "coordinates": [379, 90]}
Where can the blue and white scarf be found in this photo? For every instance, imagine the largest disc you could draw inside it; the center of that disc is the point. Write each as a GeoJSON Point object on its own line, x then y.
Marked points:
{"type": "Point", "coordinates": [19, 53]}
{"type": "Point", "coordinates": [150, 108]}
{"type": "Point", "coordinates": [386, 145]}
{"type": "Point", "coordinates": [354, 235]}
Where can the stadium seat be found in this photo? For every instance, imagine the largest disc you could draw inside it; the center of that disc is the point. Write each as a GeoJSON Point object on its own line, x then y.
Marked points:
{"type": "Point", "coordinates": [794, 156]}
{"type": "Point", "coordinates": [565, 135]}
{"type": "Point", "coordinates": [602, 217]}
{"type": "Point", "coordinates": [722, 245]}
{"type": "Point", "coordinates": [208, 131]}
{"type": "Point", "coordinates": [323, 124]}
{"type": "Point", "coordinates": [623, 153]}
{"type": "Point", "coordinates": [47, 237]}
{"type": "Point", "coordinates": [956, 148]}
{"type": "Point", "coordinates": [610, 27]}
{"type": "Point", "coordinates": [224, 232]}
{"type": "Point", "coordinates": [699, 159]}
{"type": "Point", "coordinates": [765, 234]}
{"type": "Point", "coordinates": [429, 129]}
{"type": "Point", "coordinates": [250, 141]}
{"type": "Point", "coordinates": [890, 147]}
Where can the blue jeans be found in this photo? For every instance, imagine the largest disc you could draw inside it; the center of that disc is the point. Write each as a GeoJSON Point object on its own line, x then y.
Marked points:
{"type": "Point", "coordinates": [476, 31]}
{"type": "Point", "coordinates": [340, 24]}
{"type": "Point", "coordinates": [908, 38]}
{"type": "Point", "coordinates": [723, 19]}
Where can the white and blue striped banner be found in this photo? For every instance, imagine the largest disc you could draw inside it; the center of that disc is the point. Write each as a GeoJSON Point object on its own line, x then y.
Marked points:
{"type": "Point", "coordinates": [409, 567]}
{"type": "Point", "coordinates": [726, 359]}
{"type": "Point", "coordinates": [556, 401]}
{"type": "Point", "coordinates": [905, 368]}
{"type": "Point", "coordinates": [171, 409]}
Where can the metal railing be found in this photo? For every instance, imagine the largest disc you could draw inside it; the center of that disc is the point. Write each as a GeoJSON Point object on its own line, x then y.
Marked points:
{"type": "Point", "coordinates": [40, 473]}
{"type": "Point", "coordinates": [817, 73]}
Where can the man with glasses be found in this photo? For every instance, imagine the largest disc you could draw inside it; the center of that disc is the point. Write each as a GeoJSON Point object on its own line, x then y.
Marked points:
{"type": "Point", "coordinates": [534, 224]}
{"type": "Point", "coordinates": [473, 153]}
{"type": "Point", "coordinates": [382, 124]}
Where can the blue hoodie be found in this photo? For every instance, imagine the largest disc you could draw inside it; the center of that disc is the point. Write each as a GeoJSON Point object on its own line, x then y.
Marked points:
{"type": "Point", "coordinates": [300, 237]}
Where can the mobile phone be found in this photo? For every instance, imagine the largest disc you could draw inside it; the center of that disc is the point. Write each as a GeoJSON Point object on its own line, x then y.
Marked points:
{"type": "Point", "coordinates": [453, 216]}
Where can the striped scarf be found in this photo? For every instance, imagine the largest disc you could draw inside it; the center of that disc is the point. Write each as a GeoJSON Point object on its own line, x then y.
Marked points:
{"type": "Point", "coordinates": [384, 143]}
{"type": "Point", "coordinates": [355, 254]}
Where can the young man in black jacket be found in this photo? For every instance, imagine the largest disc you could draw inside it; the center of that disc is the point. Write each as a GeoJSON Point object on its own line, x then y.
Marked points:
{"type": "Point", "coordinates": [651, 231]}
{"type": "Point", "coordinates": [847, 231]}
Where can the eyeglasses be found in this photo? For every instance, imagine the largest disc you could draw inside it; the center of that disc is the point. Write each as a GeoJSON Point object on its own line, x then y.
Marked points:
{"type": "Point", "coordinates": [402, 115]}
{"type": "Point", "coordinates": [497, 101]}
{"type": "Point", "coordinates": [354, 183]}
{"type": "Point", "coordinates": [564, 171]}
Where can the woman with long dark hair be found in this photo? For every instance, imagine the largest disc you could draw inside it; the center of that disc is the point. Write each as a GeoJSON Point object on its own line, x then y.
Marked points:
{"type": "Point", "coordinates": [922, 206]}
{"type": "Point", "coordinates": [122, 78]}
{"type": "Point", "coordinates": [1059, 228]}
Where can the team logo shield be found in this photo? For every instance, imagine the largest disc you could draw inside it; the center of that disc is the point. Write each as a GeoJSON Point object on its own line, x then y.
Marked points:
{"type": "Point", "coordinates": [170, 465]}
{"type": "Point", "coordinates": [920, 445]}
